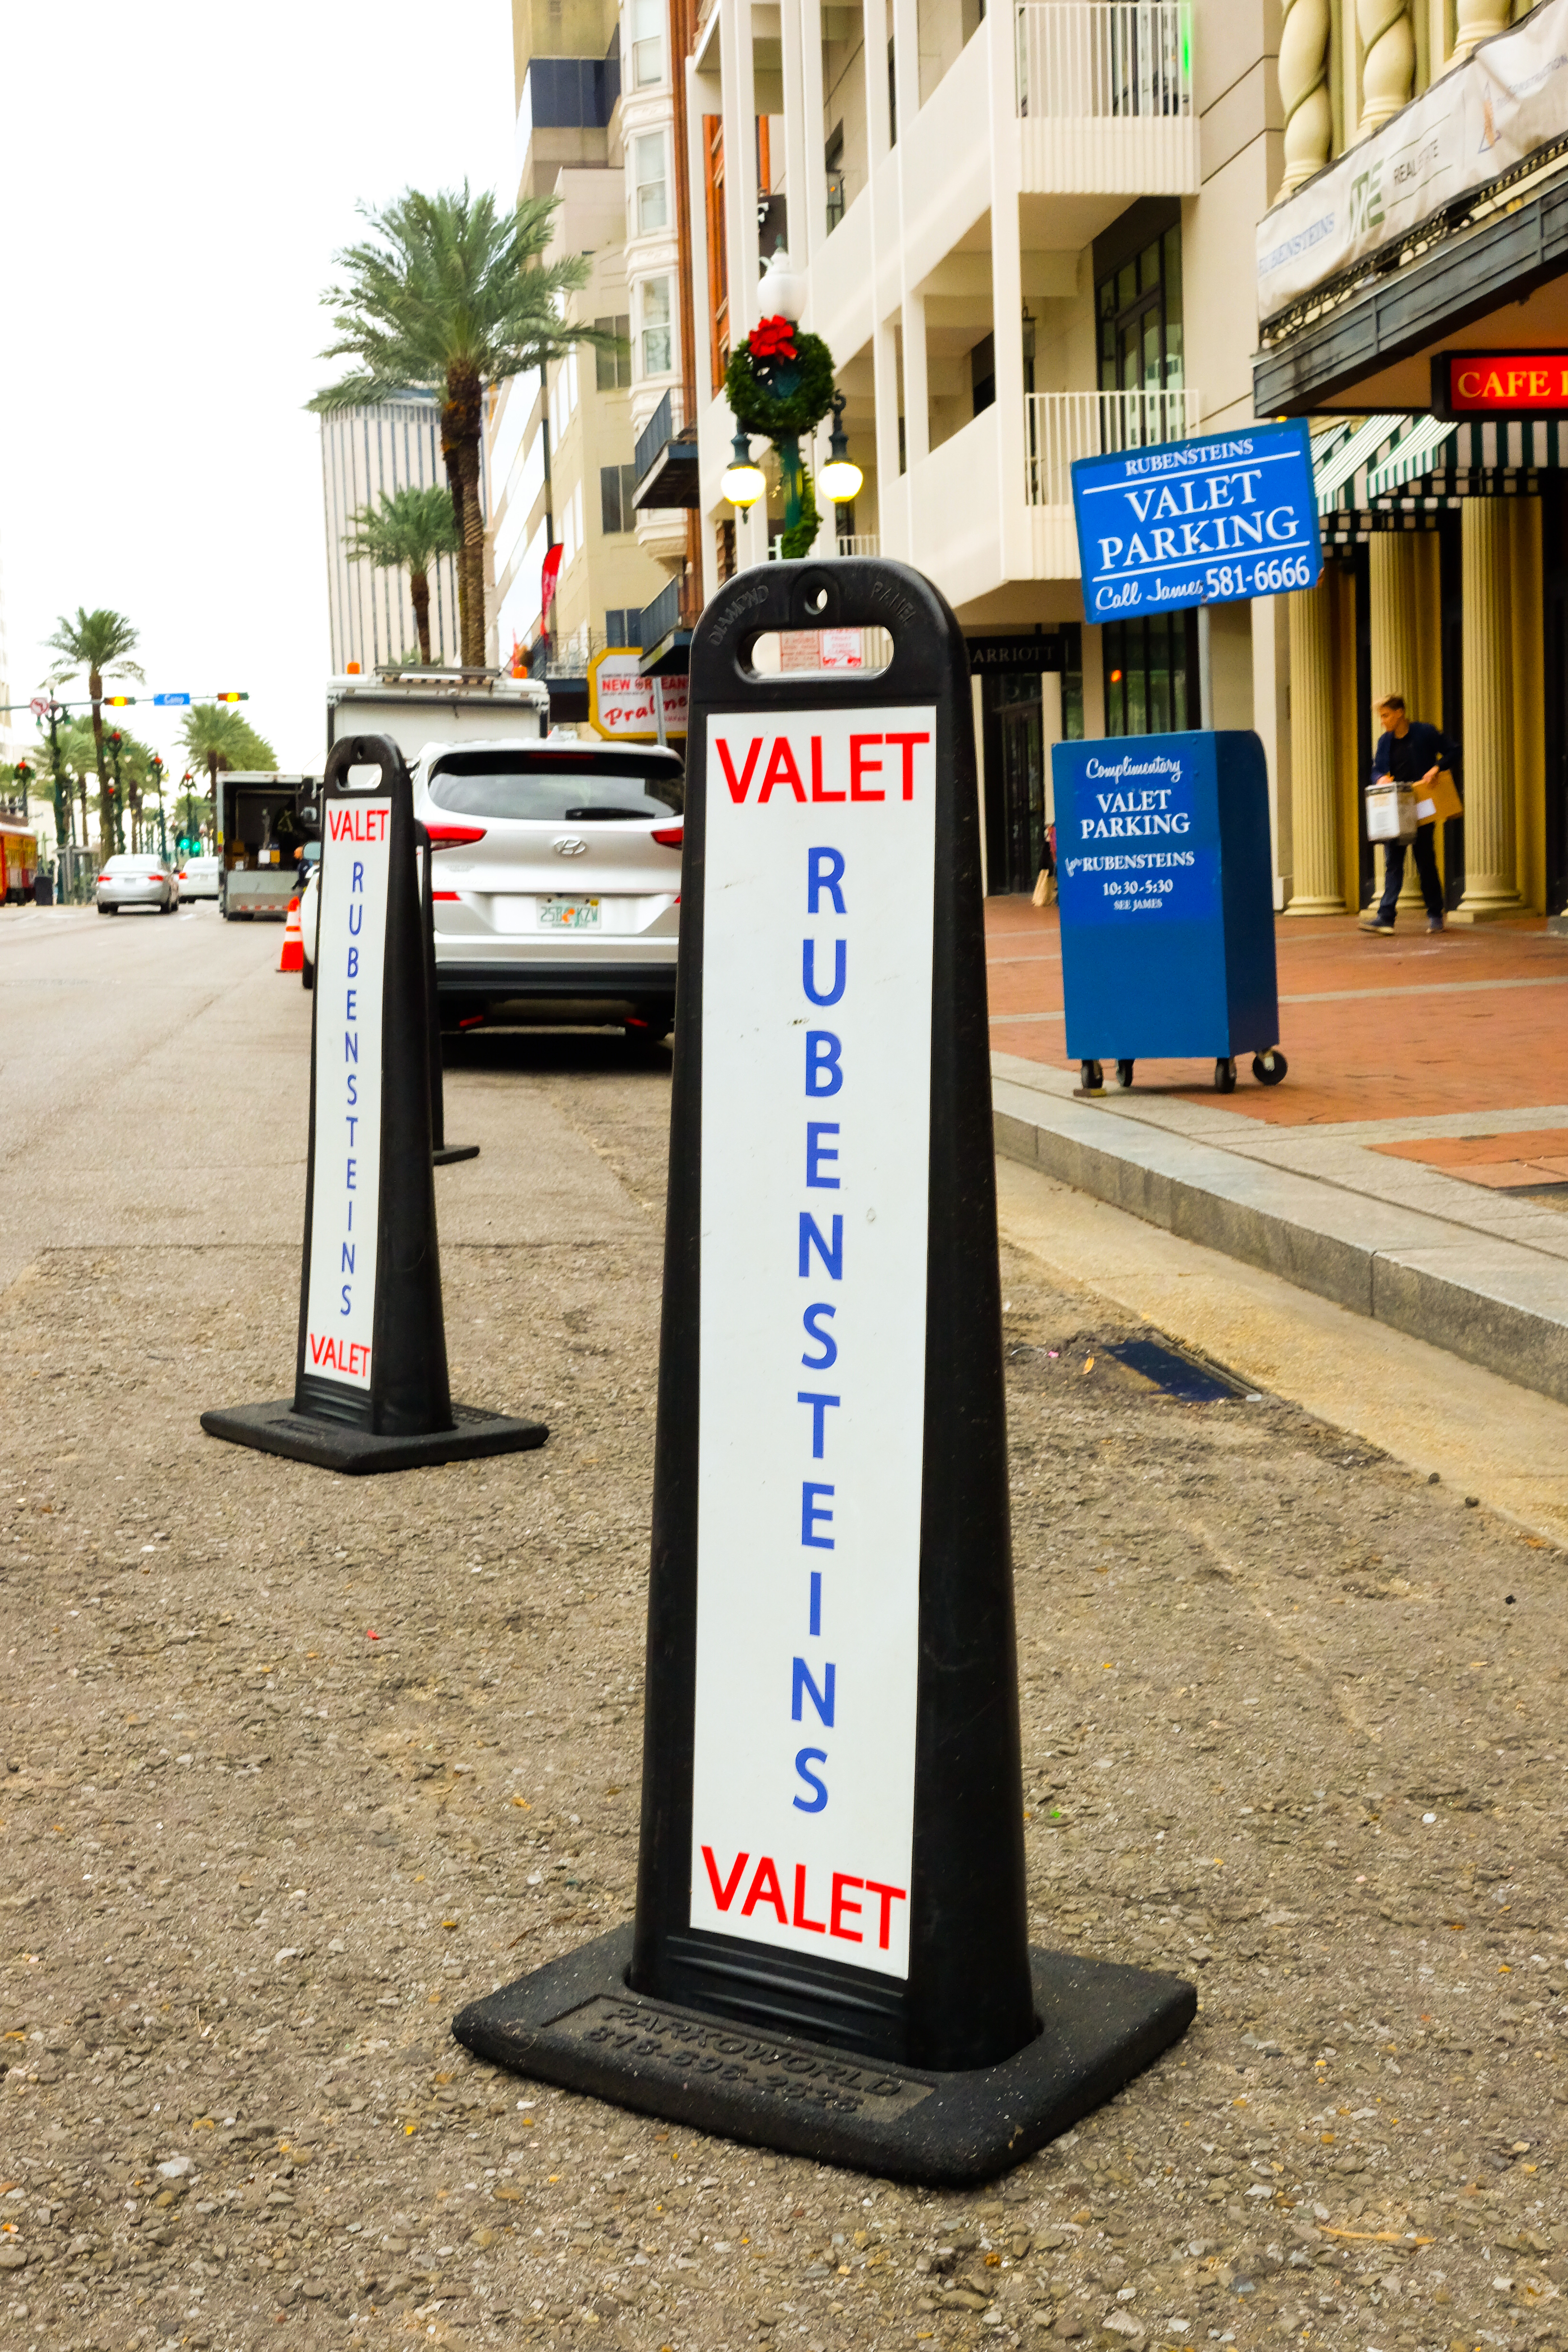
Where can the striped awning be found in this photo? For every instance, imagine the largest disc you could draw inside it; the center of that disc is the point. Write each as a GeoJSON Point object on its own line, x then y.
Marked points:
{"type": "Point", "coordinates": [1334, 472]}
{"type": "Point", "coordinates": [1507, 444]}
{"type": "Point", "coordinates": [1414, 453]}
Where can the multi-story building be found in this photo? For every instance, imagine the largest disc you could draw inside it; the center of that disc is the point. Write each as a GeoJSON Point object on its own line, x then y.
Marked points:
{"type": "Point", "coordinates": [393, 445]}
{"type": "Point", "coordinates": [1023, 231]}
{"type": "Point", "coordinates": [1413, 291]}
{"type": "Point", "coordinates": [595, 131]}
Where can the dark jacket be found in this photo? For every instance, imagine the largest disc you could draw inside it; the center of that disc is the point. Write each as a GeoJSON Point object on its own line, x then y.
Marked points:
{"type": "Point", "coordinates": [1408, 757]}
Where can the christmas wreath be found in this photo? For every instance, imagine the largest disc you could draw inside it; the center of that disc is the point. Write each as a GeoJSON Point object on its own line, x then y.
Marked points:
{"type": "Point", "coordinates": [779, 379]}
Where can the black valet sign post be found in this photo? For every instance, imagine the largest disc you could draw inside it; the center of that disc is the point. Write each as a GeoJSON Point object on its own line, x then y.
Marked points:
{"type": "Point", "coordinates": [371, 1388]}
{"type": "Point", "coordinates": [830, 1951]}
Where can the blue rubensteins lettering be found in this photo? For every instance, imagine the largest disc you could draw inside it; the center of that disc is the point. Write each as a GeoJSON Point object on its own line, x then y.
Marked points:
{"type": "Point", "coordinates": [350, 1054]}
{"type": "Point", "coordinates": [825, 870]}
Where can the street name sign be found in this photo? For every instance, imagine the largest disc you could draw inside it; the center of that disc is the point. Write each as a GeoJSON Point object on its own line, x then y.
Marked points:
{"type": "Point", "coordinates": [371, 1389]}
{"type": "Point", "coordinates": [172, 701]}
{"type": "Point", "coordinates": [830, 1951]}
{"type": "Point", "coordinates": [1204, 521]}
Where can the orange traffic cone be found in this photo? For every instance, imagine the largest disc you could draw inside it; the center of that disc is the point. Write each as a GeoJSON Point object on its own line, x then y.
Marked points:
{"type": "Point", "coordinates": [293, 956]}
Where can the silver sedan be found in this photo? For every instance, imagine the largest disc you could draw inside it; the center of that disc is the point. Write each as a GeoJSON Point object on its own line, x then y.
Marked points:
{"type": "Point", "coordinates": [129, 881]}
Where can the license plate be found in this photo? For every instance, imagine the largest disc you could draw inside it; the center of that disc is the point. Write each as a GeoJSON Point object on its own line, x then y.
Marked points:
{"type": "Point", "coordinates": [568, 914]}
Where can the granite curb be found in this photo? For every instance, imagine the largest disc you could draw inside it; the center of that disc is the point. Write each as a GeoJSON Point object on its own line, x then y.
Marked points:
{"type": "Point", "coordinates": [1497, 1303]}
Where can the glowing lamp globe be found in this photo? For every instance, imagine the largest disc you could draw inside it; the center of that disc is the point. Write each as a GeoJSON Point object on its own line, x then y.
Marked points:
{"type": "Point", "coordinates": [741, 482]}
{"type": "Point", "coordinates": [781, 292]}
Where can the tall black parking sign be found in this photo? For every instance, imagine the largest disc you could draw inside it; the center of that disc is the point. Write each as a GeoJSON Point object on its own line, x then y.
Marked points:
{"type": "Point", "coordinates": [830, 1950]}
{"type": "Point", "coordinates": [370, 1384]}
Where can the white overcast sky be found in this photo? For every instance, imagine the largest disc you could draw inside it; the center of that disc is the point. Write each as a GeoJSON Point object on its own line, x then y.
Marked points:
{"type": "Point", "coordinates": [176, 179]}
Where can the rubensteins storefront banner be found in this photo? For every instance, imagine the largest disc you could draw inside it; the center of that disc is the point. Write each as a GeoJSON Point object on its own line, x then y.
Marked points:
{"type": "Point", "coordinates": [1467, 129]}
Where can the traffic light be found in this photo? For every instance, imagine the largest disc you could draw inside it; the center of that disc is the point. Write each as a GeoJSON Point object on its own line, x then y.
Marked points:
{"type": "Point", "coordinates": [231, 697]}
{"type": "Point", "coordinates": [119, 701]}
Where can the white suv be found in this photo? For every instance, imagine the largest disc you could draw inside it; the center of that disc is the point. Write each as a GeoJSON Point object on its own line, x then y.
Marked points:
{"type": "Point", "coordinates": [556, 881]}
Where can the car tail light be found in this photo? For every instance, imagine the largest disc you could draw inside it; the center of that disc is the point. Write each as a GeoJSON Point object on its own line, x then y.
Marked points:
{"type": "Point", "coordinates": [670, 836]}
{"type": "Point", "coordinates": [183, 874]}
{"type": "Point", "coordinates": [106, 877]}
{"type": "Point", "coordinates": [157, 878]}
{"type": "Point", "coordinates": [444, 894]}
{"type": "Point", "coordinates": [454, 836]}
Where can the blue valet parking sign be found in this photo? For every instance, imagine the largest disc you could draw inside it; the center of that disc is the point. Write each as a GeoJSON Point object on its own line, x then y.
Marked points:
{"type": "Point", "coordinates": [1205, 521]}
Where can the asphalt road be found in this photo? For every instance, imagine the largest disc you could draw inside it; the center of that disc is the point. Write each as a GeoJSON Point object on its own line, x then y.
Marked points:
{"type": "Point", "coordinates": [293, 1765]}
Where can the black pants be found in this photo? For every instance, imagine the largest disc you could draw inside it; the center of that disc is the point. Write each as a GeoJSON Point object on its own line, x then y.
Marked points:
{"type": "Point", "coordinates": [1425, 846]}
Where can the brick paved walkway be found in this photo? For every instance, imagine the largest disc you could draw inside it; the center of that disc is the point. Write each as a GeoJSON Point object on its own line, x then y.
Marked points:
{"type": "Point", "coordinates": [1407, 1027]}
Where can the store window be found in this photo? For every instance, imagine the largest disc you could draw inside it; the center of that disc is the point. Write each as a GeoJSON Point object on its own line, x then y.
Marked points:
{"type": "Point", "coordinates": [1151, 664]}
{"type": "Point", "coordinates": [1139, 308]}
{"type": "Point", "coordinates": [649, 176]}
{"type": "Point", "coordinates": [613, 370]}
{"type": "Point", "coordinates": [655, 352]}
{"type": "Point", "coordinates": [647, 42]}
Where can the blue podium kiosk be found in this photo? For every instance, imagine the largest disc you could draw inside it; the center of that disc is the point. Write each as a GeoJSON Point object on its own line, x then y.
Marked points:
{"type": "Point", "coordinates": [1165, 884]}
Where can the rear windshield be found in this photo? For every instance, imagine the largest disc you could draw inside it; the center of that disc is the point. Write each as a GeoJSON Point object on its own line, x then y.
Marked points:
{"type": "Point", "coordinates": [558, 787]}
{"type": "Point", "coordinates": [134, 866]}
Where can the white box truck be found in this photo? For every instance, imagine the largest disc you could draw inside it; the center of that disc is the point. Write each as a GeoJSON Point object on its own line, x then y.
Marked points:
{"type": "Point", "coordinates": [417, 706]}
{"type": "Point", "coordinates": [261, 842]}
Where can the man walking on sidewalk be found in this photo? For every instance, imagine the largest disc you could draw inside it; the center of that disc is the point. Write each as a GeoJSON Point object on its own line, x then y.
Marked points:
{"type": "Point", "coordinates": [1410, 752]}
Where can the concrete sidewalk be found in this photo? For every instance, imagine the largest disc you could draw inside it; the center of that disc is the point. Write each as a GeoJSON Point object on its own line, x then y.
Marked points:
{"type": "Point", "coordinates": [1444, 1216]}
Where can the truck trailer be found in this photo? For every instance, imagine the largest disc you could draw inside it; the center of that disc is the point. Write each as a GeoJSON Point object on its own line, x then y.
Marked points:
{"type": "Point", "coordinates": [261, 842]}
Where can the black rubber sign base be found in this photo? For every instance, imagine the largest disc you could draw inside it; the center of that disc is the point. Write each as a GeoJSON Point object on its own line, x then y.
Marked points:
{"type": "Point", "coordinates": [576, 2023]}
{"type": "Point", "coordinates": [276, 1428]}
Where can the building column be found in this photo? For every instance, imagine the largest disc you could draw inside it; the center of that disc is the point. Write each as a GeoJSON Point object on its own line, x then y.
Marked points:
{"type": "Point", "coordinates": [1388, 58]}
{"type": "Point", "coordinates": [1476, 21]}
{"type": "Point", "coordinates": [1491, 872]}
{"type": "Point", "coordinates": [1314, 816]}
{"type": "Point", "coordinates": [1304, 89]}
{"type": "Point", "coordinates": [1395, 650]}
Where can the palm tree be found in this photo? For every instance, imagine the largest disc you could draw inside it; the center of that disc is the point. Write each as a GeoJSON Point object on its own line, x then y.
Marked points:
{"type": "Point", "coordinates": [215, 736]}
{"type": "Point", "coordinates": [94, 642]}
{"type": "Point", "coordinates": [454, 296]}
{"type": "Point", "coordinates": [410, 529]}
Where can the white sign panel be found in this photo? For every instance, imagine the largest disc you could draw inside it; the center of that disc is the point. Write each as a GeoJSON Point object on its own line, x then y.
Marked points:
{"type": "Point", "coordinates": [345, 1170]}
{"type": "Point", "coordinates": [622, 703]}
{"type": "Point", "coordinates": [1471, 126]}
{"type": "Point", "coordinates": [816, 998]}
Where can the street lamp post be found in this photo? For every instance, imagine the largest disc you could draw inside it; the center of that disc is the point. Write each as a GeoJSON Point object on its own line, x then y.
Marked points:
{"type": "Point", "coordinates": [51, 712]}
{"type": "Point", "coordinates": [156, 766]}
{"type": "Point", "coordinates": [23, 775]}
{"type": "Point", "coordinates": [117, 829]}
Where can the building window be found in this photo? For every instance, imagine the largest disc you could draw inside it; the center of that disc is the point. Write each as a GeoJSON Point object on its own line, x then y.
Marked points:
{"type": "Point", "coordinates": [648, 173]}
{"type": "Point", "coordinates": [982, 373]}
{"type": "Point", "coordinates": [1139, 308]}
{"type": "Point", "coordinates": [833, 165]}
{"type": "Point", "coordinates": [616, 484]}
{"type": "Point", "coordinates": [622, 626]}
{"type": "Point", "coordinates": [647, 42]}
{"type": "Point", "coordinates": [655, 358]}
{"type": "Point", "coordinates": [613, 370]}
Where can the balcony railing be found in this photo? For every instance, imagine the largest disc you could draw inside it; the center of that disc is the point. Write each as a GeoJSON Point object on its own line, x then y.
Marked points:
{"type": "Point", "coordinates": [662, 616]}
{"type": "Point", "coordinates": [659, 428]}
{"type": "Point", "coordinates": [1061, 425]}
{"type": "Point", "coordinates": [860, 542]}
{"type": "Point", "coordinates": [1103, 59]}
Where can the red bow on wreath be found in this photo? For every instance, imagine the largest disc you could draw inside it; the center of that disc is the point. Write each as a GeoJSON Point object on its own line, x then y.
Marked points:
{"type": "Point", "coordinates": [772, 339]}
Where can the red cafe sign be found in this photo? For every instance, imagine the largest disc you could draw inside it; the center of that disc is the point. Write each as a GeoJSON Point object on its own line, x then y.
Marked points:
{"type": "Point", "coordinates": [1493, 384]}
